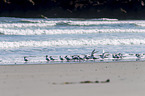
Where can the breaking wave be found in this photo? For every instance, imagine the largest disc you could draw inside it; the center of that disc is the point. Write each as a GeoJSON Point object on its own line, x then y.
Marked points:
{"type": "Point", "coordinates": [21, 26]}
{"type": "Point", "coordinates": [65, 31]}
{"type": "Point", "coordinates": [78, 42]}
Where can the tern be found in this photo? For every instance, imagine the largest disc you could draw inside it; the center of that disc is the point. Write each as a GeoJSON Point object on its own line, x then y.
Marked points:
{"type": "Point", "coordinates": [86, 57]}
{"type": "Point", "coordinates": [93, 52]}
{"type": "Point", "coordinates": [51, 58]}
{"type": "Point", "coordinates": [94, 58]}
{"type": "Point", "coordinates": [117, 56]}
{"type": "Point", "coordinates": [138, 55]}
{"type": "Point", "coordinates": [104, 55]}
{"type": "Point", "coordinates": [47, 58]}
{"type": "Point", "coordinates": [75, 58]}
{"type": "Point", "coordinates": [80, 58]}
{"type": "Point", "coordinates": [67, 58]}
{"type": "Point", "coordinates": [25, 59]}
{"type": "Point", "coordinates": [61, 58]}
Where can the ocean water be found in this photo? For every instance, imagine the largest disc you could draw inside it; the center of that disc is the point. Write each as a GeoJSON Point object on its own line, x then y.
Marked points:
{"type": "Point", "coordinates": [35, 38]}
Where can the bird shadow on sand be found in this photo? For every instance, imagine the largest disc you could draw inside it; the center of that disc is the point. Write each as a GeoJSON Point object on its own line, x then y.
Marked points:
{"type": "Point", "coordinates": [83, 82]}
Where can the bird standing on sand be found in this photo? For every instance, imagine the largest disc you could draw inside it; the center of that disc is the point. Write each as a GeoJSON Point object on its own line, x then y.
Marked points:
{"type": "Point", "coordinates": [94, 58]}
{"type": "Point", "coordinates": [114, 56]}
{"type": "Point", "coordinates": [52, 58]}
{"type": "Point", "coordinates": [80, 58]}
{"type": "Point", "coordinates": [117, 56]}
{"type": "Point", "coordinates": [61, 58]}
{"type": "Point", "coordinates": [68, 59]}
{"type": "Point", "coordinates": [93, 52]}
{"type": "Point", "coordinates": [120, 55]}
{"type": "Point", "coordinates": [75, 58]}
{"type": "Point", "coordinates": [104, 54]}
{"type": "Point", "coordinates": [86, 57]}
{"type": "Point", "coordinates": [47, 58]}
{"type": "Point", "coordinates": [25, 59]}
{"type": "Point", "coordinates": [138, 56]}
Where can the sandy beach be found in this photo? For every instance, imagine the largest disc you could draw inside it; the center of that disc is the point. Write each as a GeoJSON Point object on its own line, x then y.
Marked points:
{"type": "Point", "coordinates": [126, 79]}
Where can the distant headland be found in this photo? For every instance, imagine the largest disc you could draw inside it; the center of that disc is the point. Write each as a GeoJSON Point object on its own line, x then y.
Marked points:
{"type": "Point", "coordinates": [119, 9]}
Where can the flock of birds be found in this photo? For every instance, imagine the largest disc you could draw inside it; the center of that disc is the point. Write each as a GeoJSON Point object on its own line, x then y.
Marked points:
{"type": "Point", "coordinates": [91, 57]}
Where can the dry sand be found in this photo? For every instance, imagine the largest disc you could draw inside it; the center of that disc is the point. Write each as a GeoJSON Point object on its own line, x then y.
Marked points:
{"type": "Point", "coordinates": [126, 79]}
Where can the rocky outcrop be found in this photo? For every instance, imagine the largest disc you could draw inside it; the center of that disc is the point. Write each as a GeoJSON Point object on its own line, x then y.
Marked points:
{"type": "Point", "coordinates": [120, 9]}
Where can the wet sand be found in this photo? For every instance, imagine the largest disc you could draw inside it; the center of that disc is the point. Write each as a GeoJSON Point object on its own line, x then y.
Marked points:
{"type": "Point", "coordinates": [126, 79]}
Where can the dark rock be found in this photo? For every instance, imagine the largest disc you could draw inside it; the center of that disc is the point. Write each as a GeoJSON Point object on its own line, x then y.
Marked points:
{"type": "Point", "coordinates": [120, 9]}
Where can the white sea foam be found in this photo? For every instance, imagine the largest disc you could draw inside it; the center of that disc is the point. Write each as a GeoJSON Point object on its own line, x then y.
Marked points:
{"type": "Point", "coordinates": [45, 23]}
{"type": "Point", "coordinates": [141, 24]}
{"type": "Point", "coordinates": [66, 31]}
{"type": "Point", "coordinates": [26, 25]}
{"type": "Point", "coordinates": [102, 22]}
{"type": "Point", "coordinates": [43, 27]}
{"type": "Point", "coordinates": [79, 42]}
{"type": "Point", "coordinates": [95, 22]}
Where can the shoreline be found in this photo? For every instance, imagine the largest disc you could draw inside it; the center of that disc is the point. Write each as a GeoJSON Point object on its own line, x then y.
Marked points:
{"type": "Point", "coordinates": [71, 62]}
